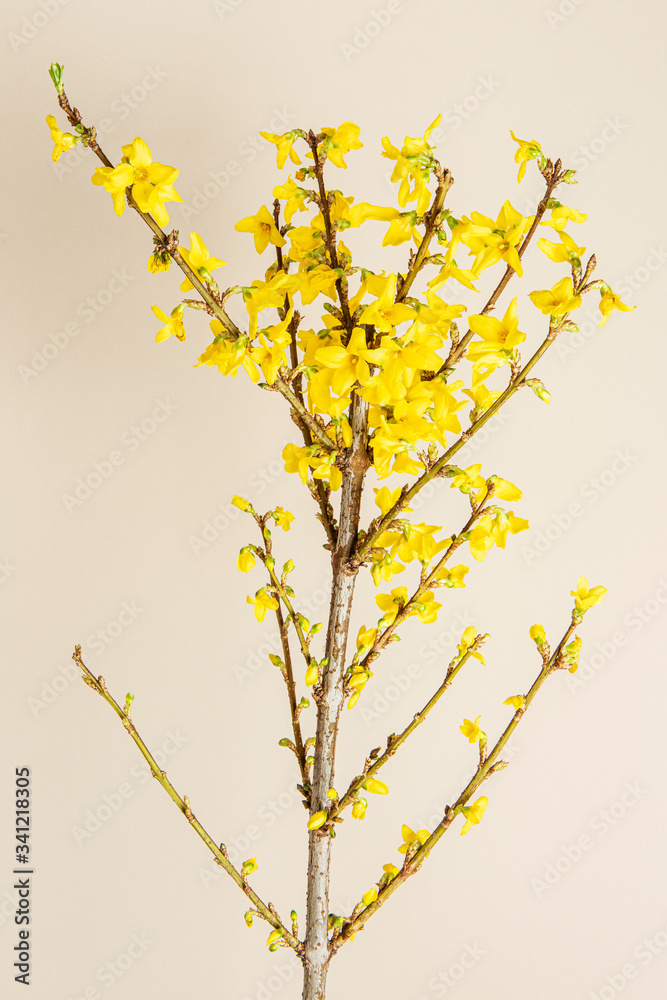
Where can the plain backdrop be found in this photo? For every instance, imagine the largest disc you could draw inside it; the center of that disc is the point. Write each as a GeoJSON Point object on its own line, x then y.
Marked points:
{"type": "Point", "coordinates": [120, 459]}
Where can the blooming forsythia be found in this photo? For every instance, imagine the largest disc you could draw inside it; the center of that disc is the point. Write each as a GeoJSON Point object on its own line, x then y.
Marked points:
{"type": "Point", "coordinates": [330, 335]}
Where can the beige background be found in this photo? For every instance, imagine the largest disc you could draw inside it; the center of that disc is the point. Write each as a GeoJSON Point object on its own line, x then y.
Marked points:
{"type": "Point", "coordinates": [563, 885]}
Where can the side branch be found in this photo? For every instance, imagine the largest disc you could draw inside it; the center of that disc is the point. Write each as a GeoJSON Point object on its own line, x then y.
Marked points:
{"type": "Point", "coordinates": [553, 180]}
{"type": "Point", "coordinates": [377, 527]}
{"type": "Point", "coordinates": [485, 768]}
{"type": "Point", "coordinates": [394, 742]}
{"type": "Point", "coordinates": [445, 181]}
{"type": "Point", "coordinates": [168, 243]}
{"type": "Point", "coordinates": [219, 853]}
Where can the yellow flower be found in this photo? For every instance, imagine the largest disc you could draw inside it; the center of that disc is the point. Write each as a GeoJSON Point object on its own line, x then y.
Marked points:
{"type": "Point", "coordinates": [158, 262]}
{"type": "Point", "coordinates": [504, 490]}
{"type": "Point", "coordinates": [152, 183]}
{"type": "Point", "coordinates": [198, 256]}
{"type": "Point", "coordinates": [561, 215]}
{"type": "Point", "coordinates": [340, 141]}
{"type": "Point", "coordinates": [391, 870]}
{"type": "Point", "coordinates": [359, 809]}
{"type": "Point", "coordinates": [384, 568]}
{"type": "Point", "coordinates": [375, 786]}
{"type": "Point", "coordinates": [427, 608]}
{"type": "Point", "coordinates": [262, 602]}
{"type": "Point", "coordinates": [173, 324]}
{"type": "Point", "coordinates": [296, 460]}
{"type": "Point", "coordinates": [245, 560]}
{"type": "Point", "coordinates": [369, 897]}
{"type": "Point", "coordinates": [585, 598]}
{"type": "Point", "coordinates": [351, 363]}
{"type": "Point", "coordinates": [467, 639]}
{"type": "Point", "coordinates": [412, 839]}
{"type": "Point", "coordinates": [274, 936]}
{"type": "Point", "coordinates": [295, 198]}
{"type": "Point", "coordinates": [451, 270]}
{"type": "Point", "coordinates": [493, 241]}
{"type": "Point", "coordinates": [263, 228]}
{"type": "Point", "coordinates": [365, 638]}
{"type": "Point", "coordinates": [284, 145]}
{"type": "Point", "coordinates": [472, 731]}
{"type": "Point", "coordinates": [474, 813]}
{"type": "Point", "coordinates": [558, 300]}
{"type": "Point", "coordinates": [608, 302]}
{"type": "Point", "coordinates": [563, 252]}
{"type": "Point", "coordinates": [529, 149]}
{"type": "Point", "coordinates": [391, 604]}
{"type": "Point", "coordinates": [499, 337]}
{"type": "Point", "coordinates": [62, 140]}
{"type": "Point", "coordinates": [454, 577]}
{"type": "Point", "coordinates": [317, 820]}
{"type": "Point", "coordinates": [469, 479]}
{"type": "Point", "coordinates": [386, 498]}
{"type": "Point", "coordinates": [115, 180]}
{"type": "Point", "coordinates": [517, 701]}
{"type": "Point", "coordinates": [283, 518]}
{"type": "Point", "coordinates": [249, 866]}
{"type": "Point", "coordinates": [385, 313]}
{"type": "Point", "coordinates": [503, 522]}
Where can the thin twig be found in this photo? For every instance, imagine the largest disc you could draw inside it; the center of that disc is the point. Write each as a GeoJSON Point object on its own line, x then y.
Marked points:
{"type": "Point", "coordinates": [219, 853]}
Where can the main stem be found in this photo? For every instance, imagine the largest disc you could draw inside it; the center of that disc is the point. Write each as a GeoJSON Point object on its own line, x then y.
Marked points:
{"type": "Point", "coordinates": [330, 699]}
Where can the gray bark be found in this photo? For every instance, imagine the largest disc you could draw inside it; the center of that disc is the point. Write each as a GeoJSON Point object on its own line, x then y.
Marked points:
{"type": "Point", "coordinates": [330, 704]}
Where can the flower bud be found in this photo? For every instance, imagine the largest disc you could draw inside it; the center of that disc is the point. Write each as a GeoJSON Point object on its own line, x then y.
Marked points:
{"type": "Point", "coordinates": [359, 809]}
{"type": "Point", "coordinates": [242, 504]}
{"type": "Point", "coordinates": [246, 559]}
{"type": "Point", "coordinates": [312, 674]}
{"type": "Point", "coordinates": [375, 786]}
{"type": "Point", "coordinates": [317, 820]}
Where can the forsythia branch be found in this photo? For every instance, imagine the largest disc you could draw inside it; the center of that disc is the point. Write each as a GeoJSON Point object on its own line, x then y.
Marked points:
{"type": "Point", "coordinates": [486, 767]}
{"type": "Point", "coordinates": [267, 912]}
